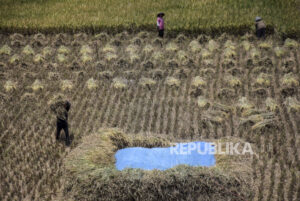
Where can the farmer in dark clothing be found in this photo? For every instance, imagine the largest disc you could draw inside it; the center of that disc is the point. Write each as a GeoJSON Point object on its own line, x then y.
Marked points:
{"type": "Point", "coordinates": [160, 24]}
{"type": "Point", "coordinates": [260, 27]}
{"type": "Point", "coordinates": [61, 109]}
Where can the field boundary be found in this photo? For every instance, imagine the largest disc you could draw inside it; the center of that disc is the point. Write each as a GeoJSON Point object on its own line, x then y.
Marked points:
{"type": "Point", "coordinates": [172, 33]}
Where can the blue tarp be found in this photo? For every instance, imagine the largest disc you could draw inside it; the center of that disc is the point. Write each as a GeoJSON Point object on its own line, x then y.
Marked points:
{"type": "Point", "coordinates": [192, 153]}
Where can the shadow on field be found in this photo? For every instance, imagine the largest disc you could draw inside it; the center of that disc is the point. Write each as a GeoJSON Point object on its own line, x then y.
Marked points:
{"type": "Point", "coordinates": [62, 138]}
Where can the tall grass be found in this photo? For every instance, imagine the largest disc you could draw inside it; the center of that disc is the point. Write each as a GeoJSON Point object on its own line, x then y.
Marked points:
{"type": "Point", "coordinates": [210, 16]}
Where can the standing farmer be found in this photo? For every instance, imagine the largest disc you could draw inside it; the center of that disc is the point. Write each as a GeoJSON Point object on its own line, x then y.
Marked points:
{"type": "Point", "coordinates": [260, 27]}
{"type": "Point", "coordinates": [160, 24]}
{"type": "Point", "coordinates": [61, 109]}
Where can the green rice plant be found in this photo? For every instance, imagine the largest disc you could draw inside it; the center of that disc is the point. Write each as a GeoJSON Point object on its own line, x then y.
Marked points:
{"type": "Point", "coordinates": [120, 83]}
{"type": "Point", "coordinates": [172, 82]}
{"type": "Point", "coordinates": [91, 84]}
{"type": "Point", "coordinates": [28, 50]}
{"type": "Point", "coordinates": [198, 82]}
{"type": "Point", "coordinates": [5, 49]}
{"type": "Point", "coordinates": [290, 43]}
{"type": "Point", "coordinates": [290, 80]}
{"type": "Point", "coordinates": [116, 16]}
{"type": "Point", "coordinates": [10, 86]}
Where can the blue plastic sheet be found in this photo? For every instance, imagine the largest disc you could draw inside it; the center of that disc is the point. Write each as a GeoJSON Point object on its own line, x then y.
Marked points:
{"type": "Point", "coordinates": [192, 153]}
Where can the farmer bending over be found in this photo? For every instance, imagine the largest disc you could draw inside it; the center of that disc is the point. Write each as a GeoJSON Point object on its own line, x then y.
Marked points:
{"type": "Point", "coordinates": [260, 27]}
{"type": "Point", "coordinates": [160, 24]}
{"type": "Point", "coordinates": [61, 109]}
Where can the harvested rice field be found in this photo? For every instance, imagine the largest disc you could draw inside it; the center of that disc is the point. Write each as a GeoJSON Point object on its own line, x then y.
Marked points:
{"type": "Point", "coordinates": [131, 90]}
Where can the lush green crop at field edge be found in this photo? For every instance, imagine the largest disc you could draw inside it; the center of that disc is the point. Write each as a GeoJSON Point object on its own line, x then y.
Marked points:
{"type": "Point", "coordinates": [233, 16]}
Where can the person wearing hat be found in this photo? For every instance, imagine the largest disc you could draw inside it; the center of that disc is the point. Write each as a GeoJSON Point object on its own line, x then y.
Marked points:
{"type": "Point", "coordinates": [160, 24]}
{"type": "Point", "coordinates": [61, 109]}
{"type": "Point", "coordinates": [260, 27]}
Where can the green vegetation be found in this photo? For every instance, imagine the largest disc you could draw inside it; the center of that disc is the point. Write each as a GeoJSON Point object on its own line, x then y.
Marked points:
{"type": "Point", "coordinates": [210, 16]}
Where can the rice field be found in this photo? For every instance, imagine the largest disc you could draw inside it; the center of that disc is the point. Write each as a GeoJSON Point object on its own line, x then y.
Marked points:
{"type": "Point", "coordinates": [183, 88]}
{"type": "Point", "coordinates": [205, 16]}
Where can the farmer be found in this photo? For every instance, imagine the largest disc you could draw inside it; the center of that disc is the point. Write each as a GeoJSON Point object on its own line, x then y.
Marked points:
{"type": "Point", "coordinates": [61, 109]}
{"type": "Point", "coordinates": [160, 24]}
{"type": "Point", "coordinates": [260, 27]}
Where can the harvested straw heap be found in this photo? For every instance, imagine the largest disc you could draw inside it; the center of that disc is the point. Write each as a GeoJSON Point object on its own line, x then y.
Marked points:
{"type": "Point", "coordinates": [93, 176]}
